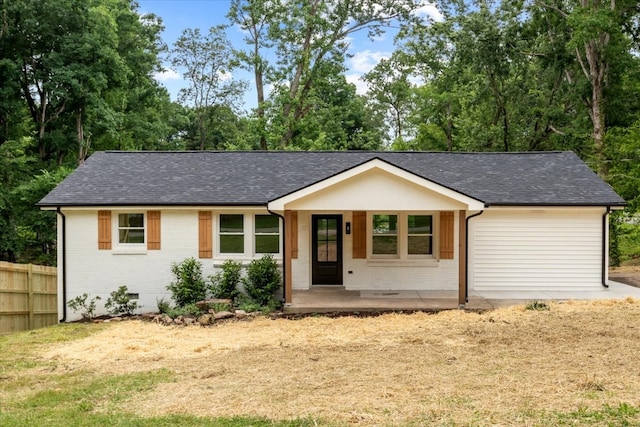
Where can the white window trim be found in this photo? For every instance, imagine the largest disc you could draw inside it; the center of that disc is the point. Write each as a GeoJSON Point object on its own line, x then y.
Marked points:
{"type": "Point", "coordinates": [403, 237]}
{"type": "Point", "coordinates": [128, 248]}
{"type": "Point", "coordinates": [218, 234]}
{"type": "Point", "coordinates": [249, 237]}
{"type": "Point", "coordinates": [254, 234]}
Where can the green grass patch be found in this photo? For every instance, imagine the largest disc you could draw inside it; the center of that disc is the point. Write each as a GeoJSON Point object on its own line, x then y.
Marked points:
{"type": "Point", "coordinates": [130, 420]}
{"type": "Point", "coordinates": [20, 349]}
{"type": "Point", "coordinates": [621, 415]}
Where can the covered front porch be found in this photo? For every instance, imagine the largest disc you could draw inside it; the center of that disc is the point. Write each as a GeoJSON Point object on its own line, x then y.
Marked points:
{"type": "Point", "coordinates": [370, 229]}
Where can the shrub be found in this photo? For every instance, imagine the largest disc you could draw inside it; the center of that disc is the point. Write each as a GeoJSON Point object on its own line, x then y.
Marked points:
{"type": "Point", "coordinates": [189, 287]}
{"type": "Point", "coordinates": [249, 306]}
{"type": "Point", "coordinates": [183, 311]}
{"type": "Point", "coordinates": [163, 305]}
{"type": "Point", "coordinates": [224, 284]}
{"type": "Point", "coordinates": [263, 279]}
{"type": "Point", "coordinates": [79, 303]}
{"type": "Point", "coordinates": [120, 302]}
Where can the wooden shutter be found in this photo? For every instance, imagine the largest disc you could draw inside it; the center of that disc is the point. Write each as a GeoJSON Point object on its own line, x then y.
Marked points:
{"type": "Point", "coordinates": [359, 234]}
{"type": "Point", "coordinates": [104, 229]}
{"type": "Point", "coordinates": [294, 234]}
{"type": "Point", "coordinates": [446, 235]}
{"type": "Point", "coordinates": [153, 230]}
{"type": "Point", "coordinates": [205, 235]}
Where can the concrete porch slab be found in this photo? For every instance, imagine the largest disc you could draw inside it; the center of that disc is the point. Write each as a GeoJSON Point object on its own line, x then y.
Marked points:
{"type": "Point", "coordinates": [336, 299]}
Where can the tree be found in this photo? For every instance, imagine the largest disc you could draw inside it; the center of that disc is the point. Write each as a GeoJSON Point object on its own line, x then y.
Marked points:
{"type": "Point", "coordinates": [253, 17]}
{"type": "Point", "coordinates": [596, 36]}
{"type": "Point", "coordinates": [339, 119]}
{"type": "Point", "coordinates": [206, 61]}
{"type": "Point", "coordinates": [306, 38]}
{"type": "Point", "coordinates": [77, 65]}
{"type": "Point", "coordinates": [391, 90]}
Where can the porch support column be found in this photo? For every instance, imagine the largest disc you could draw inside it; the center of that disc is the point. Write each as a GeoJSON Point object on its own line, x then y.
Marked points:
{"type": "Point", "coordinates": [288, 248]}
{"type": "Point", "coordinates": [462, 258]}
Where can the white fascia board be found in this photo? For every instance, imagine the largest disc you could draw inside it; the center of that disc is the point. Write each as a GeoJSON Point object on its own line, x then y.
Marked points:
{"type": "Point", "coordinates": [543, 208]}
{"type": "Point", "coordinates": [252, 208]}
{"type": "Point", "coordinates": [280, 204]}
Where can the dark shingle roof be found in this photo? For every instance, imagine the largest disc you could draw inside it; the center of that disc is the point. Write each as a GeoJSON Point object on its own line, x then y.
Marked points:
{"type": "Point", "coordinates": [256, 177]}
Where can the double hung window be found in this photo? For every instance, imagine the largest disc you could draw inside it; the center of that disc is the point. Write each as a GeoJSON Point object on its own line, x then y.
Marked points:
{"type": "Point", "coordinates": [401, 235]}
{"type": "Point", "coordinates": [266, 234]}
{"type": "Point", "coordinates": [249, 235]}
{"type": "Point", "coordinates": [130, 228]}
{"type": "Point", "coordinates": [232, 234]}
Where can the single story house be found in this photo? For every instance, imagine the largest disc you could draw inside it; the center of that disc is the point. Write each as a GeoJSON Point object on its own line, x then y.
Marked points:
{"type": "Point", "coordinates": [359, 220]}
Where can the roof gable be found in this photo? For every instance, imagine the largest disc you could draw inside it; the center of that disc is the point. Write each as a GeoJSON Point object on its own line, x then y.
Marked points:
{"type": "Point", "coordinates": [207, 178]}
{"type": "Point", "coordinates": [353, 188]}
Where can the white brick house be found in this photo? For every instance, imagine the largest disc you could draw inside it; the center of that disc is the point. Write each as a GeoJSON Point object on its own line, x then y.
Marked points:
{"type": "Point", "coordinates": [358, 220]}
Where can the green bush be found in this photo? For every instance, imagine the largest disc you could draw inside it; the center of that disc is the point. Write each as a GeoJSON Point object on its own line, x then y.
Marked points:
{"type": "Point", "coordinates": [224, 284]}
{"type": "Point", "coordinates": [263, 279]}
{"type": "Point", "coordinates": [163, 305]}
{"type": "Point", "coordinates": [120, 302]}
{"type": "Point", "coordinates": [87, 309]}
{"type": "Point", "coordinates": [249, 306]}
{"type": "Point", "coordinates": [184, 311]}
{"type": "Point", "coordinates": [189, 286]}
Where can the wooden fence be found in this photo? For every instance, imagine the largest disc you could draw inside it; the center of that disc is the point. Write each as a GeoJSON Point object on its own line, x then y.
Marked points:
{"type": "Point", "coordinates": [28, 297]}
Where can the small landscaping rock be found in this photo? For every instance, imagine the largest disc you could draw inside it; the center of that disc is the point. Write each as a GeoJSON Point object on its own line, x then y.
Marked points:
{"type": "Point", "coordinates": [223, 315]}
{"type": "Point", "coordinates": [240, 314]}
{"type": "Point", "coordinates": [205, 319]}
{"type": "Point", "coordinates": [189, 320]}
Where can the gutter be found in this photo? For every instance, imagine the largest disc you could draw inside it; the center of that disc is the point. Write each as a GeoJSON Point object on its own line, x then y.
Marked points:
{"type": "Point", "coordinates": [63, 247]}
{"type": "Point", "coordinates": [284, 249]}
{"type": "Point", "coordinates": [605, 249]}
{"type": "Point", "coordinates": [466, 255]}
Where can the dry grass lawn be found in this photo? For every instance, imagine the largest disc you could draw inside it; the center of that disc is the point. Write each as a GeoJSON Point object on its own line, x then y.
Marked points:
{"type": "Point", "coordinates": [502, 367]}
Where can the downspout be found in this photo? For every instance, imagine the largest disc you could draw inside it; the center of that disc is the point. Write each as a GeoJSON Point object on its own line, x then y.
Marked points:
{"type": "Point", "coordinates": [605, 250]}
{"type": "Point", "coordinates": [63, 247]}
{"type": "Point", "coordinates": [284, 249]}
{"type": "Point", "coordinates": [466, 255]}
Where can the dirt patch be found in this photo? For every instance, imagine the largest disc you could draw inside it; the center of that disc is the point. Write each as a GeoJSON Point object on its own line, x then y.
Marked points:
{"type": "Point", "coordinates": [629, 275]}
{"type": "Point", "coordinates": [451, 367]}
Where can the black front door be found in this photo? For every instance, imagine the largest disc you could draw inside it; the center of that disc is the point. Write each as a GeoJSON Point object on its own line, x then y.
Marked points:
{"type": "Point", "coordinates": [326, 250]}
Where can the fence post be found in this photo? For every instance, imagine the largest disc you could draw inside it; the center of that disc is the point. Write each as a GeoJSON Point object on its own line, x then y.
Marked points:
{"type": "Point", "coordinates": [31, 302]}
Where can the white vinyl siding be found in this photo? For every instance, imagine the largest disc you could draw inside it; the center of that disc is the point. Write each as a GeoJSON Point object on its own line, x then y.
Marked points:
{"type": "Point", "coordinates": [545, 250]}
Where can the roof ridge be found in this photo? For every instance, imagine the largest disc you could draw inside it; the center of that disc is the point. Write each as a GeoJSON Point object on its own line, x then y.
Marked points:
{"type": "Point", "coordinates": [376, 152]}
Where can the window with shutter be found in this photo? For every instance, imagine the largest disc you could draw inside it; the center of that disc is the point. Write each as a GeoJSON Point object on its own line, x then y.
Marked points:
{"type": "Point", "coordinates": [104, 230]}
{"type": "Point", "coordinates": [359, 234]}
{"type": "Point", "coordinates": [205, 235]}
{"type": "Point", "coordinates": [153, 231]}
{"type": "Point", "coordinates": [446, 235]}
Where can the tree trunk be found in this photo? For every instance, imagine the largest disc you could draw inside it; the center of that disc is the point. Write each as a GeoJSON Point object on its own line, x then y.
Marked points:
{"type": "Point", "coordinates": [258, 73]}
{"type": "Point", "coordinates": [596, 76]}
{"type": "Point", "coordinates": [80, 130]}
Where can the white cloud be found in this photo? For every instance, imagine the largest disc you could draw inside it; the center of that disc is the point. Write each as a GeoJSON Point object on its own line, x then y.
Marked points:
{"type": "Point", "coordinates": [167, 75]}
{"type": "Point", "coordinates": [365, 60]}
{"type": "Point", "coordinates": [429, 10]}
{"type": "Point", "coordinates": [361, 86]}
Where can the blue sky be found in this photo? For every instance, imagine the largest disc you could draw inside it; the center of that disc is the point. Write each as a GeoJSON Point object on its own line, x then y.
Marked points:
{"type": "Point", "coordinates": [178, 15]}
